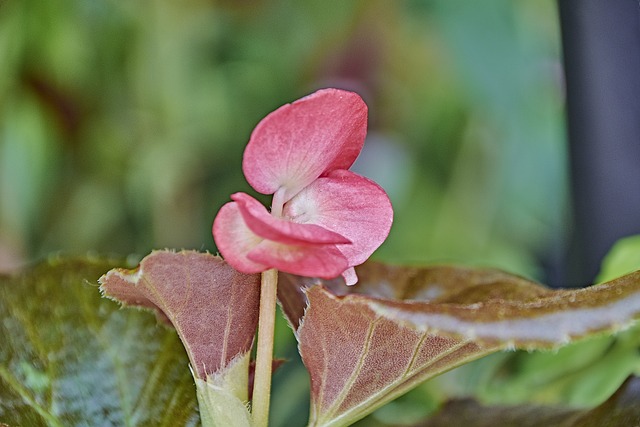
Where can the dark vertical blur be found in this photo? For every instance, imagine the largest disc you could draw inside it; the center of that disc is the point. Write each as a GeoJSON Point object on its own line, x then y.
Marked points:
{"type": "Point", "coordinates": [601, 41]}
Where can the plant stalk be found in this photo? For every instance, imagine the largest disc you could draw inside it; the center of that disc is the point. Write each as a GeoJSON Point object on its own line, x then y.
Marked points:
{"type": "Point", "coordinates": [264, 355]}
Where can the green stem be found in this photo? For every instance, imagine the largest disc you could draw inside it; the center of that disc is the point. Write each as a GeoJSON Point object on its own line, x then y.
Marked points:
{"type": "Point", "coordinates": [264, 355]}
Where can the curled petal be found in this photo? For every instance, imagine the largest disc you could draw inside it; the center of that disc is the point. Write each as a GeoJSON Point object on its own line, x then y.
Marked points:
{"type": "Point", "coordinates": [299, 142]}
{"type": "Point", "coordinates": [235, 240]}
{"type": "Point", "coordinates": [323, 261]}
{"type": "Point", "coordinates": [348, 204]}
{"type": "Point", "coordinates": [350, 277]}
{"type": "Point", "coordinates": [280, 230]}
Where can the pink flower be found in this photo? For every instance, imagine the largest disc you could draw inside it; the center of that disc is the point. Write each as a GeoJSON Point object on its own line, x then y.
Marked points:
{"type": "Point", "coordinates": [324, 218]}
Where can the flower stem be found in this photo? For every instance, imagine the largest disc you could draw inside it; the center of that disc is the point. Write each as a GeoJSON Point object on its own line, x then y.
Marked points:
{"type": "Point", "coordinates": [264, 355]}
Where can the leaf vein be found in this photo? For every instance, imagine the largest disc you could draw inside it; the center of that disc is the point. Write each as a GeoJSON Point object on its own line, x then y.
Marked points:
{"type": "Point", "coordinates": [356, 372]}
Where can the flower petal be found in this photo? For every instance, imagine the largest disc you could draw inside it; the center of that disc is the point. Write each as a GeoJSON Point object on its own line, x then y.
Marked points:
{"type": "Point", "coordinates": [299, 142]}
{"type": "Point", "coordinates": [323, 261]}
{"type": "Point", "coordinates": [348, 204]}
{"type": "Point", "coordinates": [281, 230]}
{"type": "Point", "coordinates": [350, 277]}
{"type": "Point", "coordinates": [235, 240]}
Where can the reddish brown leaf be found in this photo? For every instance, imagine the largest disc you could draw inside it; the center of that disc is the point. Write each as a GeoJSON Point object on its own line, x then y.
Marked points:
{"type": "Point", "coordinates": [497, 308]}
{"type": "Point", "coordinates": [213, 307]}
{"type": "Point", "coordinates": [358, 360]}
{"type": "Point", "coordinates": [367, 344]}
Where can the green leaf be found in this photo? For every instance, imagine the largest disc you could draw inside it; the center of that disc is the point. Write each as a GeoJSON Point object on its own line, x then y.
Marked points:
{"type": "Point", "coordinates": [222, 397]}
{"type": "Point", "coordinates": [367, 344]}
{"type": "Point", "coordinates": [581, 374]}
{"type": "Point", "coordinates": [620, 410]}
{"type": "Point", "coordinates": [623, 258]}
{"type": "Point", "coordinates": [214, 308]}
{"type": "Point", "coordinates": [69, 357]}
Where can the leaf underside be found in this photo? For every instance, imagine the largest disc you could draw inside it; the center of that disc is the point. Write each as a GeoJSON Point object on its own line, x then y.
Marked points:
{"type": "Point", "coordinates": [213, 307]}
{"type": "Point", "coordinates": [365, 345]}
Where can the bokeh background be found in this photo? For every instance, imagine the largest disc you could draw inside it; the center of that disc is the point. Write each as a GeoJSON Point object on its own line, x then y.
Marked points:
{"type": "Point", "coordinates": [122, 124]}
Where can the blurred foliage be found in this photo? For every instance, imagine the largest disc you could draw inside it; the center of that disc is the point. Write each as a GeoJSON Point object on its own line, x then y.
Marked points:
{"type": "Point", "coordinates": [122, 124]}
{"type": "Point", "coordinates": [624, 257]}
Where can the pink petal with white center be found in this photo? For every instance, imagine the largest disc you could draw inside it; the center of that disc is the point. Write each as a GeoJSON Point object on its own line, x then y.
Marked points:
{"type": "Point", "coordinates": [258, 219]}
{"type": "Point", "coordinates": [235, 240]}
{"type": "Point", "coordinates": [299, 142]}
{"type": "Point", "coordinates": [323, 261]}
{"type": "Point", "coordinates": [348, 204]}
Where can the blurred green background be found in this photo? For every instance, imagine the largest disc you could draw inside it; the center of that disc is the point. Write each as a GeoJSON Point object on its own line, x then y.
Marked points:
{"type": "Point", "coordinates": [122, 123]}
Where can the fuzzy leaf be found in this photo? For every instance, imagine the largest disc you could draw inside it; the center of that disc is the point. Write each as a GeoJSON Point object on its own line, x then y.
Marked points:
{"type": "Point", "coordinates": [498, 308]}
{"type": "Point", "coordinates": [357, 360]}
{"type": "Point", "coordinates": [214, 308]}
{"type": "Point", "coordinates": [222, 396]}
{"type": "Point", "coordinates": [366, 345]}
{"type": "Point", "coordinates": [70, 358]}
